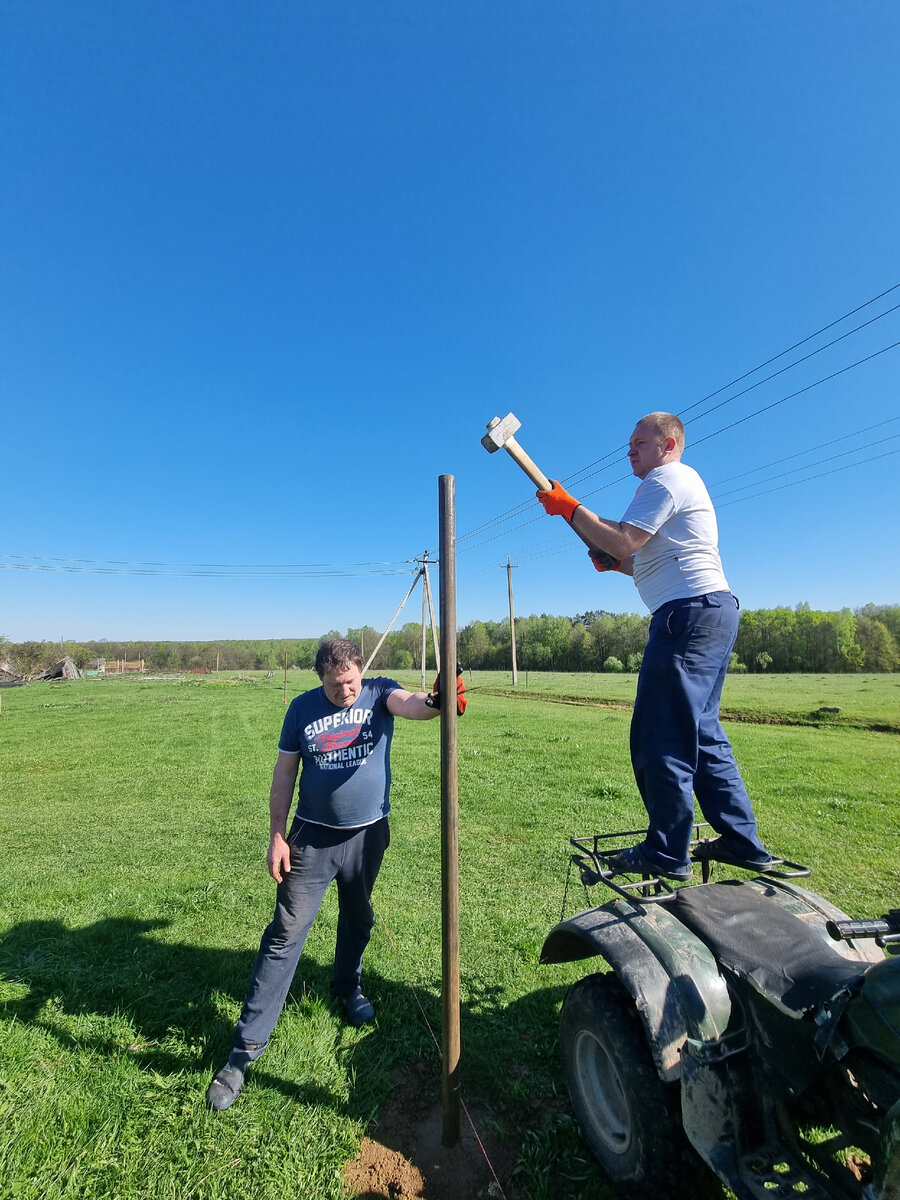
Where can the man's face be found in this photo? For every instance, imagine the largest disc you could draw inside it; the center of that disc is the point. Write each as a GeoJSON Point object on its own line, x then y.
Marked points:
{"type": "Point", "coordinates": [646, 450]}
{"type": "Point", "coordinates": [342, 687]}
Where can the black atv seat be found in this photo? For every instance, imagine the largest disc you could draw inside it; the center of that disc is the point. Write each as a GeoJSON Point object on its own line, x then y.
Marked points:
{"type": "Point", "coordinates": [753, 935]}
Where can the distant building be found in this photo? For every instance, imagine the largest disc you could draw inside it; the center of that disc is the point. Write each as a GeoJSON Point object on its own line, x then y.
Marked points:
{"type": "Point", "coordinates": [64, 669]}
{"type": "Point", "coordinates": [9, 676]}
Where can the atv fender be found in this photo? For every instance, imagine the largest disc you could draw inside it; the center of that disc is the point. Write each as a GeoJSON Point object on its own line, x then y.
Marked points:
{"type": "Point", "coordinates": [671, 975]}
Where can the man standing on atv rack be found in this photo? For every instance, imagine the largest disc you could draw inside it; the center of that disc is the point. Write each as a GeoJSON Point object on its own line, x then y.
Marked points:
{"type": "Point", "coordinates": [668, 541]}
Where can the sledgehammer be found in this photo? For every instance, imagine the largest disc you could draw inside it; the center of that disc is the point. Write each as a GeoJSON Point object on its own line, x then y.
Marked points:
{"type": "Point", "coordinates": [501, 433]}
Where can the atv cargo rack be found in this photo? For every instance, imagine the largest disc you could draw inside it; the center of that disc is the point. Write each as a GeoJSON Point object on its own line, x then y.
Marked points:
{"type": "Point", "coordinates": [594, 855]}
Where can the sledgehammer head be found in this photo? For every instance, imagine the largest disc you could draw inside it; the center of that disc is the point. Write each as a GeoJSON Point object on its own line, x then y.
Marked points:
{"type": "Point", "coordinates": [499, 431]}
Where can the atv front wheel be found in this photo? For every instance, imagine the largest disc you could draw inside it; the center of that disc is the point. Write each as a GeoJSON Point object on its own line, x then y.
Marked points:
{"type": "Point", "coordinates": [629, 1117]}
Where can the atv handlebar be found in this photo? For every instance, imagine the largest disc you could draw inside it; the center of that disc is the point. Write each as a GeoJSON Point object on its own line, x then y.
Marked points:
{"type": "Point", "coordinates": [884, 929]}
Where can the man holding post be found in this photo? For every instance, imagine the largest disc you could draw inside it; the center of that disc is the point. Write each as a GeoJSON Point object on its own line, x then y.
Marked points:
{"type": "Point", "coordinates": [667, 540]}
{"type": "Point", "coordinates": [340, 733]}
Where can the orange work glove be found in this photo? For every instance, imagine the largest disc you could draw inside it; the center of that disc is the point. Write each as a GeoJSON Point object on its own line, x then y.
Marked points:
{"type": "Point", "coordinates": [603, 561]}
{"type": "Point", "coordinates": [557, 502]}
{"type": "Point", "coordinates": [433, 699]}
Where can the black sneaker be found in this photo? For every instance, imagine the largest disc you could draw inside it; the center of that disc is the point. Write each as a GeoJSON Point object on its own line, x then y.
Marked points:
{"type": "Point", "coordinates": [717, 850]}
{"type": "Point", "coordinates": [357, 1009]}
{"type": "Point", "coordinates": [633, 861]}
{"type": "Point", "coordinates": [225, 1088]}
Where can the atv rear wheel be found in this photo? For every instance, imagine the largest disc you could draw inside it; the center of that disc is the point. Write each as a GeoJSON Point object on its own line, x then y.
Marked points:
{"type": "Point", "coordinates": [629, 1117]}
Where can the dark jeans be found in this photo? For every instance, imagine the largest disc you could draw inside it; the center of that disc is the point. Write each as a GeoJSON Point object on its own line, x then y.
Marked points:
{"type": "Point", "coordinates": [678, 745]}
{"type": "Point", "coordinates": [350, 857]}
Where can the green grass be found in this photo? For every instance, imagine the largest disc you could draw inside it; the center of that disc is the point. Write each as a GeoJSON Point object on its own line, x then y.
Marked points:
{"type": "Point", "coordinates": [133, 891]}
{"type": "Point", "coordinates": [864, 701]}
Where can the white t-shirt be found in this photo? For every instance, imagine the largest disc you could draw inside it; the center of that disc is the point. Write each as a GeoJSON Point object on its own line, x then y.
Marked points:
{"type": "Point", "coordinates": [682, 557]}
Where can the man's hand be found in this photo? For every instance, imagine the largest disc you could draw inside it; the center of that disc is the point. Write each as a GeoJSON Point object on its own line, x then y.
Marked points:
{"type": "Point", "coordinates": [603, 561]}
{"type": "Point", "coordinates": [433, 699]}
{"type": "Point", "coordinates": [557, 502]}
{"type": "Point", "coordinates": [279, 857]}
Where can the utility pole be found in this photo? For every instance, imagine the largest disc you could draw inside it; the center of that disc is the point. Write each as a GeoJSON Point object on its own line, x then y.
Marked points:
{"type": "Point", "coordinates": [424, 617]}
{"type": "Point", "coordinates": [512, 621]}
{"type": "Point", "coordinates": [434, 632]}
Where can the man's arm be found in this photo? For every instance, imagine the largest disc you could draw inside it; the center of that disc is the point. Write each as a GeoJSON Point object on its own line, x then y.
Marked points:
{"type": "Point", "coordinates": [280, 797]}
{"type": "Point", "coordinates": [617, 538]}
{"type": "Point", "coordinates": [410, 705]}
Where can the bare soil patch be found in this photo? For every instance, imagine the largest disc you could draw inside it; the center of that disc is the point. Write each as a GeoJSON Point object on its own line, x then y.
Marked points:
{"type": "Point", "coordinates": [403, 1156]}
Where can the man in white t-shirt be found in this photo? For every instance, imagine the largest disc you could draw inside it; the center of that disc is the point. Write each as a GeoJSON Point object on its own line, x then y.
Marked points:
{"type": "Point", "coordinates": [667, 540]}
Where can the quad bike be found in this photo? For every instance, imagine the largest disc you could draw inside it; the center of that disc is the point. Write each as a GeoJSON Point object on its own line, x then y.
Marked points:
{"type": "Point", "coordinates": [746, 1021]}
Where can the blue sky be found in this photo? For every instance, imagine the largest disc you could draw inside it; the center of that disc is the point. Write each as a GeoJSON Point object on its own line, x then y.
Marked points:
{"type": "Point", "coordinates": [269, 269]}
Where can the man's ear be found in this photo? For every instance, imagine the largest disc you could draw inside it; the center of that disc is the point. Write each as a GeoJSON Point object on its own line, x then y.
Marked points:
{"type": "Point", "coordinates": [671, 444]}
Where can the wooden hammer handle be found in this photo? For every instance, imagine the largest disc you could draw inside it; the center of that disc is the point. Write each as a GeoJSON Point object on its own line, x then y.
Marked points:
{"type": "Point", "coordinates": [534, 473]}
{"type": "Point", "coordinates": [537, 476]}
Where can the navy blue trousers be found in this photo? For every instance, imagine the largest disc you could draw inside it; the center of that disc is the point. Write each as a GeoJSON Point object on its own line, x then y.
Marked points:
{"type": "Point", "coordinates": [678, 745]}
{"type": "Point", "coordinates": [350, 857]}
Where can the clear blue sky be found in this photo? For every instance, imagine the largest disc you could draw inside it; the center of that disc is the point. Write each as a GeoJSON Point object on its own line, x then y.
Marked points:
{"type": "Point", "coordinates": [269, 269]}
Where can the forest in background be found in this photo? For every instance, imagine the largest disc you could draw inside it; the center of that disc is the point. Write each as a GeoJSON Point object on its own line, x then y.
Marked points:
{"type": "Point", "coordinates": [777, 640]}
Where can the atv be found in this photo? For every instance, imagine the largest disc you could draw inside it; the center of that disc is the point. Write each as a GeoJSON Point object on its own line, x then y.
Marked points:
{"type": "Point", "coordinates": [747, 1021]}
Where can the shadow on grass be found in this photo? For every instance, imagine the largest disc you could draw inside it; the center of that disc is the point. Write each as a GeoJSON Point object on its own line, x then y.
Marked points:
{"type": "Point", "coordinates": [116, 969]}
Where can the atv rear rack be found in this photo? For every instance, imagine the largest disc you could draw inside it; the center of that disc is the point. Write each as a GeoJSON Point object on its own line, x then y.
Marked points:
{"type": "Point", "coordinates": [594, 855]}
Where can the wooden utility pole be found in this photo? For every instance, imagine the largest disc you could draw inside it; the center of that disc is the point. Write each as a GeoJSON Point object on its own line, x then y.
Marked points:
{"type": "Point", "coordinates": [434, 632]}
{"type": "Point", "coordinates": [424, 619]}
{"type": "Point", "coordinates": [449, 816]}
{"type": "Point", "coordinates": [371, 657]}
{"type": "Point", "coordinates": [512, 621]}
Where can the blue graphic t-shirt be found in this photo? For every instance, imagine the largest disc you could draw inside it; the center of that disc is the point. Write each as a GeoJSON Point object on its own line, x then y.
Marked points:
{"type": "Point", "coordinates": [345, 776]}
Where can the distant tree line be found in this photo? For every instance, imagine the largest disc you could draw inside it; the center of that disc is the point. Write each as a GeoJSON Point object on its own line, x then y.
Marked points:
{"type": "Point", "coordinates": [799, 639]}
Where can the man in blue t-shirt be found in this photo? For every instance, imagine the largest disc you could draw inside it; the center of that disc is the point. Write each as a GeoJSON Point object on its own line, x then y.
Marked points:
{"type": "Point", "coordinates": [341, 735]}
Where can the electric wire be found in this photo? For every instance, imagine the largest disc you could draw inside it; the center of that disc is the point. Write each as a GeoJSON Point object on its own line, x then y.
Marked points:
{"type": "Point", "coordinates": [603, 463]}
{"type": "Point", "coordinates": [796, 346]}
{"type": "Point", "coordinates": [800, 391]}
{"type": "Point", "coordinates": [533, 553]}
{"type": "Point", "coordinates": [115, 562]}
{"type": "Point", "coordinates": [749, 416]}
{"type": "Point", "coordinates": [809, 450]}
{"type": "Point", "coordinates": [49, 564]}
{"type": "Point", "coordinates": [822, 475]}
{"type": "Point", "coordinates": [63, 568]}
{"type": "Point", "coordinates": [808, 466]}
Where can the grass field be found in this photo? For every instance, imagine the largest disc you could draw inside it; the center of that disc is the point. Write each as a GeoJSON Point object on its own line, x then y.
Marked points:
{"type": "Point", "coordinates": [133, 892]}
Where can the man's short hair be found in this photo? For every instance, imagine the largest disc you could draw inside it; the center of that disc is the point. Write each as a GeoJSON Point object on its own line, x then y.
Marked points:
{"type": "Point", "coordinates": [665, 425]}
{"type": "Point", "coordinates": [337, 654]}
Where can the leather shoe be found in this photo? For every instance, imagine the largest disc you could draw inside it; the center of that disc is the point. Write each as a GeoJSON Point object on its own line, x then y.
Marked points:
{"type": "Point", "coordinates": [717, 850]}
{"type": "Point", "coordinates": [225, 1088]}
{"type": "Point", "coordinates": [633, 861]}
{"type": "Point", "coordinates": [357, 1009]}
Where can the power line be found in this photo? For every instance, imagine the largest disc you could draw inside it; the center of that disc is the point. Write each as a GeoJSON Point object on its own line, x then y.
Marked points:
{"type": "Point", "coordinates": [565, 543]}
{"type": "Point", "coordinates": [808, 466]}
{"type": "Point", "coordinates": [114, 562]}
{"type": "Point", "coordinates": [809, 450]}
{"type": "Point", "coordinates": [796, 346]}
{"type": "Point", "coordinates": [790, 366]}
{"type": "Point", "coordinates": [66, 567]}
{"type": "Point", "coordinates": [822, 475]}
{"type": "Point", "coordinates": [793, 395]}
{"type": "Point", "coordinates": [603, 463]}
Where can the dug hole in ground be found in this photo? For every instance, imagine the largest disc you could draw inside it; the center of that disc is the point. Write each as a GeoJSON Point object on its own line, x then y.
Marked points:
{"type": "Point", "coordinates": [403, 1157]}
